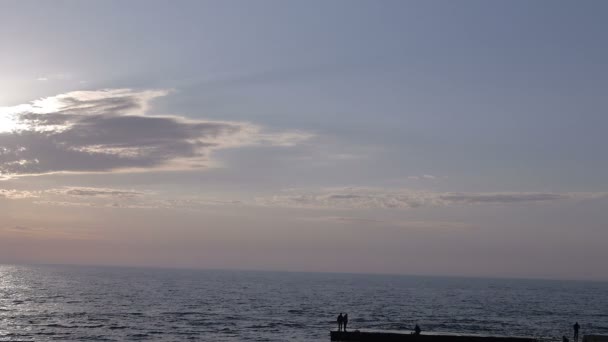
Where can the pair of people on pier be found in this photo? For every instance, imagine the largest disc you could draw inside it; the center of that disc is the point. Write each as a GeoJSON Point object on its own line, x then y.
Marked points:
{"type": "Point", "coordinates": [342, 322]}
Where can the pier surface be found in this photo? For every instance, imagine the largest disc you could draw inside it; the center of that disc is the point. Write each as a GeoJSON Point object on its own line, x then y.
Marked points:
{"type": "Point", "coordinates": [595, 338]}
{"type": "Point", "coordinates": [378, 336]}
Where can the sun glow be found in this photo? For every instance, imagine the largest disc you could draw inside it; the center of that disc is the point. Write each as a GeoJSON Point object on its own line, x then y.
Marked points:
{"type": "Point", "coordinates": [8, 121]}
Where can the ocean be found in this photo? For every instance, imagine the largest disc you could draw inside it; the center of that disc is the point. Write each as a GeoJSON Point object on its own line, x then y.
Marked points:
{"type": "Point", "coordinates": [73, 303]}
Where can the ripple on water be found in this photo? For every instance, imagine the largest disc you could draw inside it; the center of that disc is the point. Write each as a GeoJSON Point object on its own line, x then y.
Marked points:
{"type": "Point", "coordinates": [114, 304]}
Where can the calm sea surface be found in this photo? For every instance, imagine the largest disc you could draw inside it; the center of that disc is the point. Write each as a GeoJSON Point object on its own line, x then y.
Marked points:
{"type": "Point", "coordinates": [61, 303]}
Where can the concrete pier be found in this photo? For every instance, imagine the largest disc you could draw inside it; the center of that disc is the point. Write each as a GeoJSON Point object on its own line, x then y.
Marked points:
{"type": "Point", "coordinates": [373, 336]}
{"type": "Point", "coordinates": [595, 338]}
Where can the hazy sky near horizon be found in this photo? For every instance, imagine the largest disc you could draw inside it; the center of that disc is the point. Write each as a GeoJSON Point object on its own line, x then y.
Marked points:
{"type": "Point", "coordinates": [420, 137]}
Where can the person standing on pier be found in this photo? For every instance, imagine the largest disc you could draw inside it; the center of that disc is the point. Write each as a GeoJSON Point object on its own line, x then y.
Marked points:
{"type": "Point", "coordinates": [576, 327]}
{"type": "Point", "coordinates": [340, 321]}
{"type": "Point", "coordinates": [345, 321]}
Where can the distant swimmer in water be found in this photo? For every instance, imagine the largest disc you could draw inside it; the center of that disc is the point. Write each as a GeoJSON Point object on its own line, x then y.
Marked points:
{"type": "Point", "coordinates": [345, 321]}
{"type": "Point", "coordinates": [340, 321]}
{"type": "Point", "coordinates": [576, 327]}
{"type": "Point", "coordinates": [417, 330]}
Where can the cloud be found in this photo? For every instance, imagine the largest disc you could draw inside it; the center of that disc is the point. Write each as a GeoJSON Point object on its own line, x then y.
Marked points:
{"type": "Point", "coordinates": [350, 198]}
{"type": "Point", "coordinates": [343, 220]}
{"type": "Point", "coordinates": [407, 224]}
{"type": "Point", "coordinates": [502, 197]}
{"type": "Point", "coordinates": [17, 194]}
{"type": "Point", "coordinates": [21, 228]}
{"type": "Point", "coordinates": [48, 233]}
{"type": "Point", "coordinates": [70, 192]}
{"type": "Point", "coordinates": [91, 197]}
{"type": "Point", "coordinates": [327, 198]}
{"type": "Point", "coordinates": [59, 77]}
{"type": "Point", "coordinates": [376, 198]}
{"type": "Point", "coordinates": [109, 130]}
{"type": "Point", "coordinates": [96, 192]}
{"type": "Point", "coordinates": [423, 177]}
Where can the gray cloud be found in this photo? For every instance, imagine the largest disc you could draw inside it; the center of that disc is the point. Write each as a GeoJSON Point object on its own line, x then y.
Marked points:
{"type": "Point", "coordinates": [502, 197]}
{"type": "Point", "coordinates": [114, 198]}
{"type": "Point", "coordinates": [328, 198]}
{"type": "Point", "coordinates": [48, 233]}
{"type": "Point", "coordinates": [350, 198]}
{"type": "Point", "coordinates": [374, 198]}
{"type": "Point", "coordinates": [424, 177]}
{"type": "Point", "coordinates": [96, 192]}
{"type": "Point", "coordinates": [406, 224]}
{"type": "Point", "coordinates": [103, 131]}
{"type": "Point", "coordinates": [24, 229]}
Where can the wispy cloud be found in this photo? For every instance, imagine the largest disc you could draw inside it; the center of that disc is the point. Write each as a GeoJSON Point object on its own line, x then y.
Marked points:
{"type": "Point", "coordinates": [423, 177]}
{"type": "Point", "coordinates": [503, 197]}
{"type": "Point", "coordinates": [109, 130]}
{"type": "Point", "coordinates": [17, 194]}
{"type": "Point", "coordinates": [57, 76]}
{"type": "Point", "coordinates": [407, 224]}
{"type": "Point", "coordinates": [91, 197]}
{"type": "Point", "coordinates": [48, 233]}
{"type": "Point", "coordinates": [374, 198]}
{"type": "Point", "coordinates": [96, 192]}
{"type": "Point", "coordinates": [326, 198]}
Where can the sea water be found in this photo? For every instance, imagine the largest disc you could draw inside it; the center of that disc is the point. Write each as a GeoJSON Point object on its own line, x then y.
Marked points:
{"type": "Point", "coordinates": [69, 303]}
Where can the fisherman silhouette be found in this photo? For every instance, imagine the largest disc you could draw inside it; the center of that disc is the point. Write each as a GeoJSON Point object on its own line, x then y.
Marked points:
{"type": "Point", "coordinates": [345, 321]}
{"type": "Point", "coordinates": [340, 321]}
{"type": "Point", "coordinates": [576, 327]}
{"type": "Point", "coordinates": [417, 330]}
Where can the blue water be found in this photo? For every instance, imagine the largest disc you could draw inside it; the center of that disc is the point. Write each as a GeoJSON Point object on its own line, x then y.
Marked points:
{"type": "Point", "coordinates": [65, 303]}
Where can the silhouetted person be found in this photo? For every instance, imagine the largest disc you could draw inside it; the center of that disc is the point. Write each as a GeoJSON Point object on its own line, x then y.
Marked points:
{"type": "Point", "coordinates": [345, 321]}
{"type": "Point", "coordinates": [417, 330]}
{"type": "Point", "coordinates": [576, 327]}
{"type": "Point", "coordinates": [565, 339]}
{"type": "Point", "coordinates": [340, 321]}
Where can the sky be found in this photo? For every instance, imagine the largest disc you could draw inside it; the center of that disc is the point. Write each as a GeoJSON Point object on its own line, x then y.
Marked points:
{"type": "Point", "coordinates": [412, 137]}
